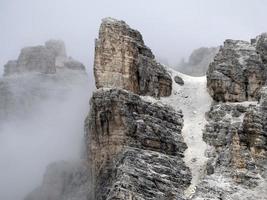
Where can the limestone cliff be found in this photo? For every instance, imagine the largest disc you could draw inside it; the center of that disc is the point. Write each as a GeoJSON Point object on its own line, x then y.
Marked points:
{"type": "Point", "coordinates": [135, 148]}
{"type": "Point", "coordinates": [140, 145]}
{"type": "Point", "coordinates": [236, 128]}
{"type": "Point", "coordinates": [123, 61]}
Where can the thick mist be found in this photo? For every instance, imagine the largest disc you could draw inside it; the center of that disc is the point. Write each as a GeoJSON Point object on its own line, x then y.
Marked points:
{"type": "Point", "coordinates": [49, 129]}
{"type": "Point", "coordinates": [172, 29]}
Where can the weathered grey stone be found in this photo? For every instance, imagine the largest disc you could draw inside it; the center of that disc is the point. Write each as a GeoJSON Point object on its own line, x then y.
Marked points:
{"type": "Point", "coordinates": [123, 61]}
{"type": "Point", "coordinates": [179, 80]}
{"type": "Point", "coordinates": [135, 148]}
{"type": "Point", "coordinates": [238, 155]}
{"type": "Point", "coordinates": [237, 72]}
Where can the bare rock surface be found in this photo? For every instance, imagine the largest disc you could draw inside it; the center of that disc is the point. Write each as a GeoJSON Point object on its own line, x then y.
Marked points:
{"type": "Point", "coordinates": [135, 148]}
{"type": "Point", "coordinates": [238, 71]}
{"type": "Point", "coordinates": [237, 163]}
{"type": "Point", "coordinates": [178, 80]}
{"type": "Point", "coordinates": [122, 60]}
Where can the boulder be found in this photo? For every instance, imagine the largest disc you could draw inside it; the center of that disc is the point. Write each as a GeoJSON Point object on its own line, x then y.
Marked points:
{"type": "Point", "coordinates": [179, 80]}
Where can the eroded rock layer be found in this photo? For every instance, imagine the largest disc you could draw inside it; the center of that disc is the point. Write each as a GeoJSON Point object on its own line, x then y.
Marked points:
{"type": "Point", "coordinates": [238, 71]}
{"type": "Point", "coordinates": [135, 148]}
{"type": "Point", "coordinates": [237, 166]}
{"type": "Point", "coordinates": [123, 61]}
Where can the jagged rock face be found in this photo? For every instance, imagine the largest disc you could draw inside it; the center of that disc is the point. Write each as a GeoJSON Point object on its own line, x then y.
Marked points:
{"type": "Point", "coordinates": [44, 59]}
{"type": "Point", "coordinates": [135, 148]}
{"type": "Point", "coordinates": [198, 62]}
{"type": "Point", "coordinates": [122, 60]}
{"type": "Point", "coordinates": [63, 180]}
{"type": "Point", "coordinates": [237, 163]}
{"type": "Point", "coordinates": [231, 130]}
{"type": "Point", "coordinates": [237, 72]}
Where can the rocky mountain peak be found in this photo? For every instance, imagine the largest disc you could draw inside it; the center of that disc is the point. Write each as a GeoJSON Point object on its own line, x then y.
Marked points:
{"type": "Point", "coordinates": [122, 60]}
{"type": "Point", "coordinates": [45, 59]}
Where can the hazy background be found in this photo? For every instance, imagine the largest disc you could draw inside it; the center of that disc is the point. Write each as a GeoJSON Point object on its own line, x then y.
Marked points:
{"type": "Point", "coordinates": [171, 28]}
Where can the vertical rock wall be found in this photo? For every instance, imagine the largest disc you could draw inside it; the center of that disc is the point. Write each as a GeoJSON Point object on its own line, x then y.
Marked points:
{"type": "Point", "coordinates": [135, 148]}
{"type": "Point", "coordinates": [123, 61]}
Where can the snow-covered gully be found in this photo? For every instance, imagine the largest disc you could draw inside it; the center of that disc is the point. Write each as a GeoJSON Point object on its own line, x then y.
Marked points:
{"type": "Point", "coordinates": [194, 101]}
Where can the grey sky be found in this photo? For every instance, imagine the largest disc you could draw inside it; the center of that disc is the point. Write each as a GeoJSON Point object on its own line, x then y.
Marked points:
{"type": "Point", "coordinates": [171, 28]}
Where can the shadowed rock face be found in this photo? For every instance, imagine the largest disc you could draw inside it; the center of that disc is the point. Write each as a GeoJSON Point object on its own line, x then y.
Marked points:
{"type": "Point", "coordinates": [135, 148]}
{"type": "Point", "coordinates": [123, 61]}
{"type": "Point", "coordinates": [237, 73]}
{"type": "Point", "coordinates": [44, 59]}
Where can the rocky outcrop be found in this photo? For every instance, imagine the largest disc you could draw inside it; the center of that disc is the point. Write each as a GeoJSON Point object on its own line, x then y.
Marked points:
{"type": "Point", "coordinates": [123, 61]}
{"type": "Point", "coordinates": [238, 71]}
{"type": "Point", "coordinates": [63, 180]}
{"type": "Point", "coordinates": [20, 94]}
{"type": "Point", "coordinates": [237, 163]}
{"type": "Point", "coordinates": [198, 62]}
{"type": "Point", "coordinates": [135, 148]}
{"type": "Point", "coordinates": [44, 59]}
